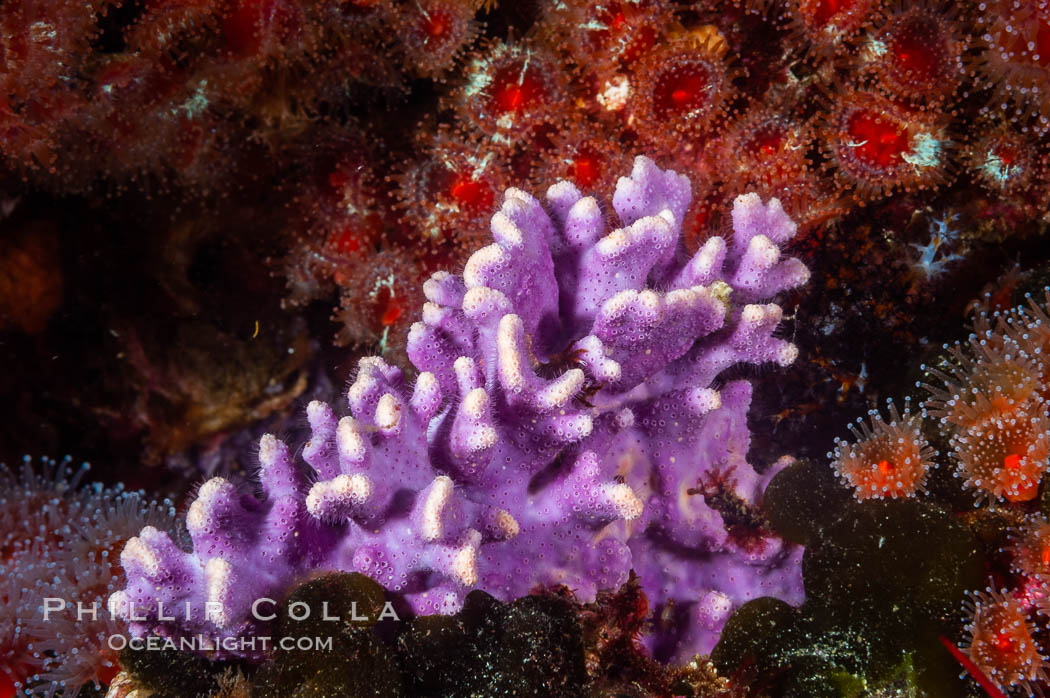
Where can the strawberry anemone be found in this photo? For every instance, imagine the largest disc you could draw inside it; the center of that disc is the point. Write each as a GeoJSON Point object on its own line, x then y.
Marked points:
{"type": "Point", "coordinates": [584, 155]}
{"type": "Point", "coordinates": [510, 89]}
{"type": "Point", "coordinates": [680, 89]}
{"type": "Point", "coordinates": [1015, 61]}
{"type": "Point", "coordinates": [1001, 642]}
{"type": "Point", "coordinates": [916, 56]}
{"type": "Point", "coordinates": [434, 33]}
{"type": "Point", "coordinates": [1030, 548]}
{"type": "Point", "coordinates": [889, 459]}
{"type": "Point", "coordinates": [825, 24]}
{"type": "Point", "coordinates": [605, 36]}
{"type": "Point", "coordinates": [1007, 162]}
{"type": "Point", "coordinates": [449, 193]}
{"type": "Point", "coordinates": [878, 146]}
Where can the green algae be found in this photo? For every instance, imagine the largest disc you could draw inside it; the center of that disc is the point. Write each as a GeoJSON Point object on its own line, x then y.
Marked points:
{"type": "Point", "coordinates": [884, 581]}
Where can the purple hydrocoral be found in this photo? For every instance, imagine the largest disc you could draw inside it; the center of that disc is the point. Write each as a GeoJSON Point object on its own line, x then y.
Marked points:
{"type": "Point", "coordinates": [564, 429]}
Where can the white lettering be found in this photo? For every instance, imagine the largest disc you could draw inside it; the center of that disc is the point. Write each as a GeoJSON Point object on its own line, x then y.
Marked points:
{"type": "Point", "coordinates": [388, 612]}
{"type": "Point", "coordinates": [298, 604]}
{"type": "Point", "coordinates": [212, 612]}
{"type": "Point", "coordinates": [81, 611]}
{"type": "Point", "coordinates": [53, 604]}
{"type": "Point", "coordinates": [255, 609]}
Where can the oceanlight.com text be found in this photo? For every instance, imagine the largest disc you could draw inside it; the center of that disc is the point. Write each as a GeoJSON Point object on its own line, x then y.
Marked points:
{"type": "Point", "coordinates": [200, 643]}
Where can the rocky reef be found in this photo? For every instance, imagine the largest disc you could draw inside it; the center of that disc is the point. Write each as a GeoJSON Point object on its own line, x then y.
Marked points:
{"type": "Point", "coordinates": [567, 473]}
{"type": "Point", "coordinates": [541, 645]}
{"type": "Point", "coordinates": [347, 190]}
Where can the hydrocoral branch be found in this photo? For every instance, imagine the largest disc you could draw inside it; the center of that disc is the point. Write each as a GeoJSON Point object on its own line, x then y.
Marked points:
{"type": "Point", "coordinates": [565, 408]}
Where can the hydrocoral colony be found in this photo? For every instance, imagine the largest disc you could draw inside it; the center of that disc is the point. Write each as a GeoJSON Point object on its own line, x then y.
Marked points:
{"type": "Point", "coordinates": [564, 429]}
{"type": "Point", "coordinates": [989, 399]}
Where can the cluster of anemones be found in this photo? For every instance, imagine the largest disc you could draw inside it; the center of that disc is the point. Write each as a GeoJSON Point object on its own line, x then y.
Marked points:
{"type": "Point", "coordinates": [988, 401]}
{"type": "Point", "coordinates": [823, 105]}
{"type": "Point", "coordinates": [1003, 642]}
{"type": "Point", "coordinates": [96, 90]}
{"type": "Point", "coordinates": [60, 539]}
{"type": "Point", "coordinates": [714, 92]}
